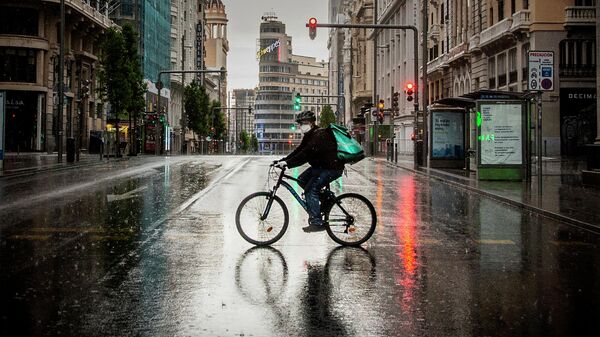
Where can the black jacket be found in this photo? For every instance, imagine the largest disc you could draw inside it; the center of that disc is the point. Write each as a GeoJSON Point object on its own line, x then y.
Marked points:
{"type": "Point", "coordinates": [318, 148]}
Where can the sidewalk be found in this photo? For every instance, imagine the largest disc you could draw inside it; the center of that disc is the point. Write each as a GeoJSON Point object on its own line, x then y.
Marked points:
{"type": "Point", "coordinates": [28, 162]}
{"type": "Point", "coordinates": [564, 197]}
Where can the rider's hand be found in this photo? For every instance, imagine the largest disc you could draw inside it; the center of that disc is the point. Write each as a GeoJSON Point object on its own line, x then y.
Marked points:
{"type": "Point", "coordinates": [281, 164]}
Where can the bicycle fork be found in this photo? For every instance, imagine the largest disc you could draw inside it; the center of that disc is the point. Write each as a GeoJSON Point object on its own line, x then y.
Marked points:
{"type": "Point", "coordinates": [265, 214]}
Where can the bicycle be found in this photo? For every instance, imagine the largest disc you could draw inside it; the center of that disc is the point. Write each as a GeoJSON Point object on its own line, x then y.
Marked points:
{"type": "Point", "coordinates": [262, 217]}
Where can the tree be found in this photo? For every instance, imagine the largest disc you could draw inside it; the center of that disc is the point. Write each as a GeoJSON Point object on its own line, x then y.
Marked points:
{"type": "Point", "coordinates": [244, 141]}
{"type": "Point", "coordinates": [196, 105]}
{"type": "Point", "coordinates": [218, 121]}
{"type": "Point", "coordinates": [254, 143]}
{"type": "Point", "coordinates": [114, 82]}
{"type": "Point", "coordinates": [136, 104]}
{"type": "Point", "coordinates": [327, 117]}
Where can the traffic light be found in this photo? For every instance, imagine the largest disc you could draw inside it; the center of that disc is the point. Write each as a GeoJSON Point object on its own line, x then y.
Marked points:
{"type": "Point", "coordinates": [297, 101]}
{"type": "Point", "coordinates": [409, 90]}
{"type": "Point", "coordinates": [395, 104]}
{"type": "Point", "coordinates": [162, 118]}
{"type": "Point", "coordinates": [293, 127]}
{"type": "Point", "coordinates": [312, 28]}
{"type": "Point", "coordinates": [85, 89]}
{"type": "Point", "coordinates": [380, 107]}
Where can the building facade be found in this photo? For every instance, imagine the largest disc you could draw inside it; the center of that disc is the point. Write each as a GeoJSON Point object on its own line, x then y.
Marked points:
{"type": "Point", "coordinates": [216, 45]}
{"type": "Point", "coordinates": [484, 44]}
{"type": "Point", "coordinates": [29, 58]}
{"type": "Point", "coordinates": [240, 115]}
{"type": "Point", "coordinates": [282, 75]}
{"type": "Point", "coordinates": [184, 20]}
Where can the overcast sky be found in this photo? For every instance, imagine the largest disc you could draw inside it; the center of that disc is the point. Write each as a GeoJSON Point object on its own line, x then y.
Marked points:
{"type": "Point", "coordinates": [243, 30]}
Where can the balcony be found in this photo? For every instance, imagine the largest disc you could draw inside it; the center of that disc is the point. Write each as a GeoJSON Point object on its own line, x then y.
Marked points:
{"type": "Point", "coordinates": [580, 16]}
{"type": "Point", "coordinates": [577, 71]}
{"type": "Point", "coordinates": [437, 64]}
{"type": "Point", "coordinates": [520, 21]}
{"type": "Point", "coordinates": [497, 32]}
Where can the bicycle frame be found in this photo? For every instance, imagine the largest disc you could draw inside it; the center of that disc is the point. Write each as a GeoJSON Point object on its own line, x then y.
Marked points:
{"type": "Point", "coordinates": [281, 182]}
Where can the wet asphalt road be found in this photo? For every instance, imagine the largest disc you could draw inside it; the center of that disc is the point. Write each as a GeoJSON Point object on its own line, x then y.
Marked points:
{"type": "Point", "coordinates": [149, 247]}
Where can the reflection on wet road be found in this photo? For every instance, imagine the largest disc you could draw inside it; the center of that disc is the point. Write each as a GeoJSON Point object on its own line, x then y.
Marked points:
{"type": "Point", "coordinates": [152, 249]}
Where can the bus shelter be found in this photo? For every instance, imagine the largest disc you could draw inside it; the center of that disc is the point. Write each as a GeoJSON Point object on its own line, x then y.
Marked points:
{"type": "Point", "coordinates": [496, 135]}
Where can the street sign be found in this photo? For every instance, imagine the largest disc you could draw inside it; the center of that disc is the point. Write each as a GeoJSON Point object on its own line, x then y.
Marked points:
{"type": "Point", "coordinates": [541, 70]}
{"type": "Point", "coordinates": [374, 112]}
{"type": "Point", "coordinates": [2, 113]}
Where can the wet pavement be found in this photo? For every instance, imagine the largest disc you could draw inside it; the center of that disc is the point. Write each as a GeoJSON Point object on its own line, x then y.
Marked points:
{"type": "Point", "coordinates": [150, 248]}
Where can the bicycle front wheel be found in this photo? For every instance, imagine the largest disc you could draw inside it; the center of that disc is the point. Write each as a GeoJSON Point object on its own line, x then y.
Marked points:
{"type": "Point", "coordinates": [254, 229]}
{"type": "Point", "coordinates": [351, 220]}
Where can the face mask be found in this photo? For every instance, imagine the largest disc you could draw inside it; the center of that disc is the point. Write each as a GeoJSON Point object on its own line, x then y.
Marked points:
{"type": "Point", "coordinates": [305, 128]}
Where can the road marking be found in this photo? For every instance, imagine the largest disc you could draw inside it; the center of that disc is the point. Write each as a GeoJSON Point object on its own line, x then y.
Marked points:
{"type": "Point", "coordinates": [571, 243]}
{"type": "Point", "coordinates": [124, 196]}
{"type": "Point", "coordinates": [495, 242]}
{"type": "Point", "coordinates": [30, 237]}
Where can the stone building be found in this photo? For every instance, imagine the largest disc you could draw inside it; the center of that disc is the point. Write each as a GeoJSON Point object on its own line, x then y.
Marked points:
{"type": "Point", "coordinates": [29, 56]}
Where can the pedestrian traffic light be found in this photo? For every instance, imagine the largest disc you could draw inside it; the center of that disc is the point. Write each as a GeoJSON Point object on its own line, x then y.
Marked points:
{"type": "Point", "coordinates": [409, 90]}
{"type": "Point", "coordinates": [395, 103]}
{"type": "Point", "coordinates": [297, 101]}
{"type": "Point", "coordinates": [312, 28]}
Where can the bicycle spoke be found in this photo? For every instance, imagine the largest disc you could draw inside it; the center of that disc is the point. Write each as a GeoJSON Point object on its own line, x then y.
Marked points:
{"type": "Point", "coordinates": [257, 230]}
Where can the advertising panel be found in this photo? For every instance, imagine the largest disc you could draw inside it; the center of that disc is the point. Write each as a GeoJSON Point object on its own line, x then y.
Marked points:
{"type": "Point", "coordinates": [447, 135]}
{"type": "Point", "coordinates": [501, 132]}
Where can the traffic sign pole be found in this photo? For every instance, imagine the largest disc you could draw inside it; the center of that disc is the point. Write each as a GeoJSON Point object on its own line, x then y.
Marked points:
{"type": "Point", "coordinates": [541, 78]}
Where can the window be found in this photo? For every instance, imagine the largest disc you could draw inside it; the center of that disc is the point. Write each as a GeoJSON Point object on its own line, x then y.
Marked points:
{"type": "Point", "coordinates": [512, 7]}
{"type": "Point", "coordinates": [501, 61]}
{"type": "Point", "coordinates": [492, 72]}
{"type": "Point", "coordinates": [18, 21]}
{"type": "Point", "coordinates": [500, 10]}
{"type": "Point", "coordinates": [17, 65]}
{"type": "Point", "coordinates": [512, 66]}
{"type": "Point", "coordinates": [577, 58]}
{"type": "Point", "coordinates": [524, 60]}
{"type": "Point", "coordinates": [442, 14]}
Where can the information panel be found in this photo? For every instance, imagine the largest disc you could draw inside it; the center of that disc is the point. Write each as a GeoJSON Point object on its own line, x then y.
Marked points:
{"type": "Point", "coordinates": [501, 132]}
{"type": "Point", "coordinates": [447, 135]}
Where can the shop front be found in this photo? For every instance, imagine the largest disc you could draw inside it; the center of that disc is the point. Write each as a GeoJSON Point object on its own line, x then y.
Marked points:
{"type": "Point", "coordinates": [577, 120]}
{"type": "Point", "coordinates": [24, 128]}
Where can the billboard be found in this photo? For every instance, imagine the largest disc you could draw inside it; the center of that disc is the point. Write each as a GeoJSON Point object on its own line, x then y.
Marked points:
{"type": "Point", "coordinates": [501, 133]}
{"type": "Point", "coordinates": [447, 135]}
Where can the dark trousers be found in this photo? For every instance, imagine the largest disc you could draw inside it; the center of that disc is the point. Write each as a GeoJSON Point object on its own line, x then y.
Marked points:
{"type": "Point", "coordinates": [312, 181]}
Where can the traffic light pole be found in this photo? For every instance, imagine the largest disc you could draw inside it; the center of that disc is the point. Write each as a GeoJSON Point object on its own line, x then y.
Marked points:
{"type": "Point", "coordinates": [158, 130]}
{"type": "Point", "coordinates": [416, 65]}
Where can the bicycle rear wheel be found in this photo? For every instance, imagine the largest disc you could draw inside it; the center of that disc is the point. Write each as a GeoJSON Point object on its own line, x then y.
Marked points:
{"type": "Point", "coordinates": [257, 231]}
{"type": "Point", "coordinates": [351, 220]}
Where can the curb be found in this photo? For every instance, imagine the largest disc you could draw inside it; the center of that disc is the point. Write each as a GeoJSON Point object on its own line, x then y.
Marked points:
{"type": "Point", "coordinates": [517, 204]}
{"type": "Point", "coordinates": [66, 167]}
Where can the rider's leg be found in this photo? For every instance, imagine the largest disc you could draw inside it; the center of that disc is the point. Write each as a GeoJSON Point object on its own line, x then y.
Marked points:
{"type": "Point", "coordinates": [320, 179]}
{"type": "Point", "coordinates": [305, 176]}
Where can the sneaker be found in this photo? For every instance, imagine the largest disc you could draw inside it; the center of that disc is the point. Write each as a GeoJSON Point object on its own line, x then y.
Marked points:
{"type": "Point", "coordinates": [313, 228]}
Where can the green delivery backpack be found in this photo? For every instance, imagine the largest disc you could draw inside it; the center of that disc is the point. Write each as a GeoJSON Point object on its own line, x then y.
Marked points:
{"type": "Point", "coordinates": [349, 150]}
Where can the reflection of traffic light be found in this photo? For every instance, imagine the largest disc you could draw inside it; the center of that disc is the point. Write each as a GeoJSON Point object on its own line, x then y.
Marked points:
{"type": "Point", "coordinates": [297, 101]}
{"type": "Point", "coordinates": [409, 90]}
{"type": "Point", "coordinates": [395, 104]}
{"type": "Point", "coordinates": [312, 28]}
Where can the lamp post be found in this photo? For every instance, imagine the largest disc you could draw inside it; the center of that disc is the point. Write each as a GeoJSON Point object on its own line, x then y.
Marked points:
{"type": "Point", "coordinates": [61, 71]}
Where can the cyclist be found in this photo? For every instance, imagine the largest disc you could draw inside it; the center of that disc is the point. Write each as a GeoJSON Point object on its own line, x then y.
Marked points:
{"type": "Point", "coordinates": [319, 149]}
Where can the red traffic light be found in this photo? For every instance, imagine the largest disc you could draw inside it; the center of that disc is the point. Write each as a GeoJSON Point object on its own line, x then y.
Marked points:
{"type": "Point", "coordinates": [312, 28]}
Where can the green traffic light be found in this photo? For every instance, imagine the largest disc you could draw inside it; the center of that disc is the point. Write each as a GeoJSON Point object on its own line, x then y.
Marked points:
{"type": "Point", "coordinates": [293, 127]}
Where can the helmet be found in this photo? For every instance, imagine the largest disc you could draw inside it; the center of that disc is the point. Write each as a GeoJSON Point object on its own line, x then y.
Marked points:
{"type": "Point", "coordinates": [306, 116]}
